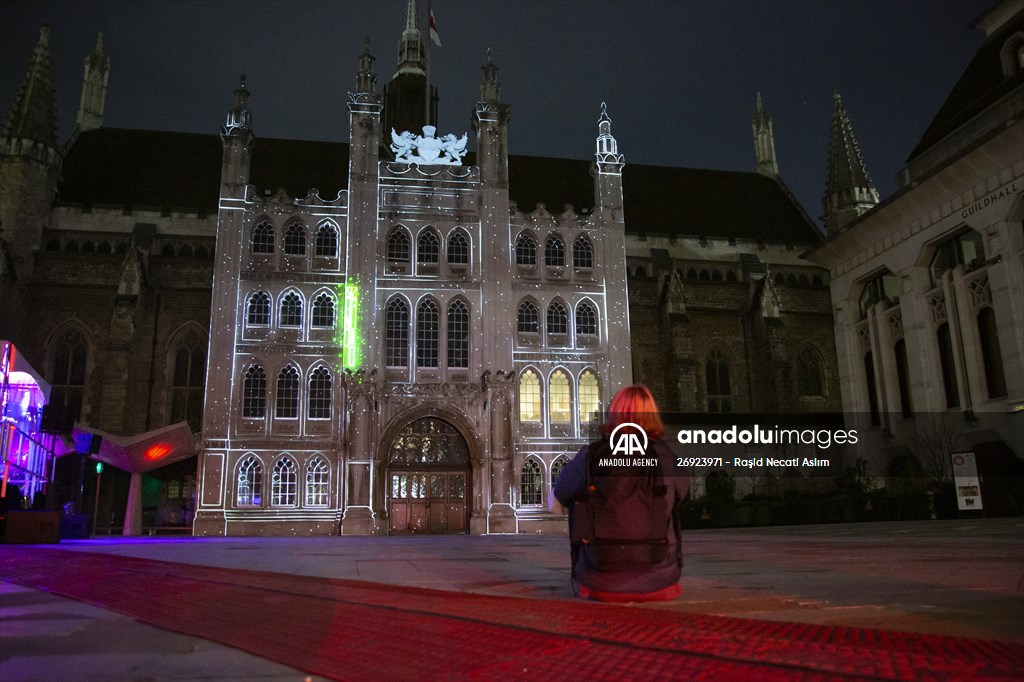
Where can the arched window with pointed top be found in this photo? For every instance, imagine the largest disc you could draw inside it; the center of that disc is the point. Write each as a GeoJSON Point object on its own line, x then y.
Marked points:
{"type": "Point", "coordinates": [320, 393]}
{"type": "Point", "coordinates": [586, 319]}
{"type": "Point", "coordinates": [318, 482]}
{"type": "Point", "coordinates": [531, 483]}
{"type": "Point", "coordinates": [427, 333]}
{"type": "Point", "coordinates": [458, 334]}
{"type": "Point", "coordinates": [326, 244]}
{"type": "Point", "coordinates": [398, 246]}
{"type": "Point", "coordinates": [458, 249]}
{"type": "Point", "coordinates": [284, 483]}
{"type": "Point", "coordinates": [529, 396]}
{"type": "Point", "coordinates": [526, 250]}
{"type": "Point", "coordinates": [558, 319]}
{"type": "Point", "coordinates": [254, 393]}
{"type": "Point", "coordinates": [810, 373]}
{"type": "Point", "coordinates": [287, 404]}
{"type": "Point", "coordinates": [295, 239]}
{"type": "Point", "coordinates": [258, 310]}
{"type": "Point", "coordinates": [582, 253]}
{"type": "Point", "coordinates": [396, 333]}
{"type": "Point", "coordinates": [556, 468]}
{"type": "Point", "coordinates": [554, 251]}
{"type": "Point", "coordinates": [559, 398]}
{"type": "Point", "coordinates": [291, 310]}
{"type": "Point", "coordinates": [717, 381]}
{"type": "Point", "coordinates": [589, 398]}
{"type": "Point", "coordinates": [528, 318]}
{"type": "Point", "coordinates": [249, 482]}
{"type": "Point", "coordinates": [323, 311]}
{"type": "Point", "coordinates": [428, 247]}
{"type": "Point", "coordinates": [68, 355]}
{"type": "Point", "coordinates": [188, 379]}
{"type": "Point", "coordinates": [263, 237]}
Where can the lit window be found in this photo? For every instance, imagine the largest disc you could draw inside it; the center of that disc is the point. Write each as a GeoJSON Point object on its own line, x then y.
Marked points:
{"type": "Point", "coordinates": [287, 394]}
{"type": "Point", "coordinates": [554, 251]}
{"type": "Point", "coordinates": [560, 407]}
{"type": "Point", "coordinates": [716, 378]}
{"type": "Point", "coordinates": [323, 311]}
{"type": "Point", "coordinates": [531, 484]}
{"type": "Point", "coordinates": [326, 245]}
{"type": "Point", "coordinates": [558, 319]}
{"type": "Point", "coordinates": [254, 393]}
{"type": "Point", "coordinates": [291, 310]}
{"type": "Point", "coordinates": [586, 319]}
{"type": "Point", "coordinates": [458, 334]}
{"type": "Point", "coordinates": [295, 240]}
{"type": "Point", "coordinates": [318, 482]}
{"type": "Point", "coordinates": [263, 237]}
{"type": "Point", "coordinates": [258, 313]}
{"type": "Point", "coordinates": [398, 247]}
{"type": "Point", "coordinates": [590, 398]}
{"type": "Point", "coordinates": [396, 333]}
{"type": "Point", "coordinates": [458, 249]}
{"type": "Point", "coordinates": [249, 491]}
{"type": "Point", "coordinates": [526, 250]}
{"type": "Point", "coordinates": [320, 394]}
{"type": "Point", "coordinates": [529, 397]}
{"type": "Point", "coordinates": [283, 483]}
{"type": "Point", "coordinates": [427, 327]}
{"type": "Point", "coordinates": [528, 320]}
{"type": "Point", "coordinates": [582, 253]}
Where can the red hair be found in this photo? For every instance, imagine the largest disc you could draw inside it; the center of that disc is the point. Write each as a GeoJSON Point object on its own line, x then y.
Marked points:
{"type": "Point", "coordinates": [634, 404]}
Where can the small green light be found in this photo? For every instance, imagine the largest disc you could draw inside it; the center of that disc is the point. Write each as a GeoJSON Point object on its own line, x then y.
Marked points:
{"type": "Point", "coordinates": [99, 467]}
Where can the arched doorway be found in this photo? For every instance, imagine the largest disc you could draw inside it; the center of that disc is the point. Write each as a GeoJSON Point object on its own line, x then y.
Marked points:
{"type": "Point", "coordinates": [428, 479]}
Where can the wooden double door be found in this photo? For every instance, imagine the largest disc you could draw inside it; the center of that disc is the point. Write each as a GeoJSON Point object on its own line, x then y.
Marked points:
{"type": "Point", "coordinates": [428, 501]}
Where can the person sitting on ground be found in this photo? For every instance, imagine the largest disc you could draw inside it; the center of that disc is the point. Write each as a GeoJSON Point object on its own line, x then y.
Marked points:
{"type": "Point", "coordinates": [623, 530]}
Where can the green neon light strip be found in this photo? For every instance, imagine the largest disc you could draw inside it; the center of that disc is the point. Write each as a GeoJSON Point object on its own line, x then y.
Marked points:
{"type": "Point", "coordinates": [351, 341]}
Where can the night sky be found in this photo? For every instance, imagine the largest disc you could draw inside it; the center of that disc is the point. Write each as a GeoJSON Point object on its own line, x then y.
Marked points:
{"type": "Point", "coordinates": [680, 78]}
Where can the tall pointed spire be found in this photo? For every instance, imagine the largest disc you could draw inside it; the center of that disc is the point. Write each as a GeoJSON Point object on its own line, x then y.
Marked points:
{"type": "Point", "coordinates": [490, 88]}
{"type": "Point", "coordinates": [849, 192]}
{"type": "Point", "coordinates": [607, 168]}
{"type": "Point", "coordinates": [239, 120]}
{"type": "Point", "coordinates": [94, 89]}
{"type": "Point", "coordinates": [33, 115]}
{"type": "Point", "coordinates": [764, 141]}
{"type": "Point", "coordinates": [366, 79]}
{"type": "Point", "coordinates": [411, 57]}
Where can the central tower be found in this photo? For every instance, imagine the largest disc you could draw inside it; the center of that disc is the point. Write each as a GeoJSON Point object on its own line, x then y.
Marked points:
{"type": "Point", "coordinates": [405, 105]}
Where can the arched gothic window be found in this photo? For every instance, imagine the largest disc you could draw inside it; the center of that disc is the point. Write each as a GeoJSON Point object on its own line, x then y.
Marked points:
{"type": "Point", "coordinates": [291, 310]}
{"type": "Point", "coordinates": [396, 333]}
{"type": "Point", "coordinates": [427, 333]}
{"type": "Point", "coordinates": [318, 483]}
{"type": "Point", "coordinates": [586, 319]}
{"type": "Point", "coordinates": [428, 249]}
{"type": "Point", "coordinates": [458, 334]}
{"type": "Point", "coordinates": [526, 250]}
{"type": "Point", "coordinates": [263, 237]}
{"type": "Point", "coordinates": [458, 249]}
{"type": "Point", "coordinates": [258, 313]}
{"type": "Point", "coordinates": [556, 469]}
{"type": "Point", "coordinates": [287, 406]}
{"type": "Point", "coordinates": [528, 320]}
{"type": "Point", "coordinates": [67, 378]}
{"type": "Point", "coordinates": [326, 245]}
{"type": "Point", "coordinates": [284, 483]}
{"type": "Point", "coordinates": [560, 398]}
{"type": "Point", "coordinates": [554, 251]}
{"type": "Point", "coordinates": [529, 397]}
{"type": "Point", "coordinates": [531, 485]}
{"type": "Point", "coordinates": [323, 310]}
{"type": "Point", "coordinates": [254, 393]}
{"type": "Point", "coordinates": [320, 394]}
{"type": "Point", "coordinates": [249, 489]}
{"type": "Point", "coordinates": [398, 247]}
{"type": "Point", "coordinates": [295, 239]}
{"type": "Point", "coordinates": [188, 379]}
{"type": "Point", "coordinates": [558, 319]}
{"type": "Point", "coordinates": [716, 379]}
{"type": "Point", "coordinates": [589, 398]}
{"type": "Point", "coordinates": [809, 373]}
{"type": "Point", "coordinates": [582, 253]}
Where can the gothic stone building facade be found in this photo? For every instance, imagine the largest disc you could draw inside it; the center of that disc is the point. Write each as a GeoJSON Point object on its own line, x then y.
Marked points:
{"type": "Point", "coordinates": [413, 347]}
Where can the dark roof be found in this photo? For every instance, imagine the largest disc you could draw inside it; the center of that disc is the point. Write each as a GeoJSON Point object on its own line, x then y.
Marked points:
{"type": "Point", "coordinates": [980, 85]}
{"type": "Point", "coordinates": [165, 170]}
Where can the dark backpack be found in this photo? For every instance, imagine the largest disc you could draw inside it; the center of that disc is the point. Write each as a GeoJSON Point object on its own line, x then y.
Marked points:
{"type": "Point", "coordinates": [622, 517]}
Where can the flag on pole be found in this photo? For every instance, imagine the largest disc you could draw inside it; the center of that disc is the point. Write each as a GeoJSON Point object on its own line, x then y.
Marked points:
{"type": "Point", "coordinates": [432, 26]}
